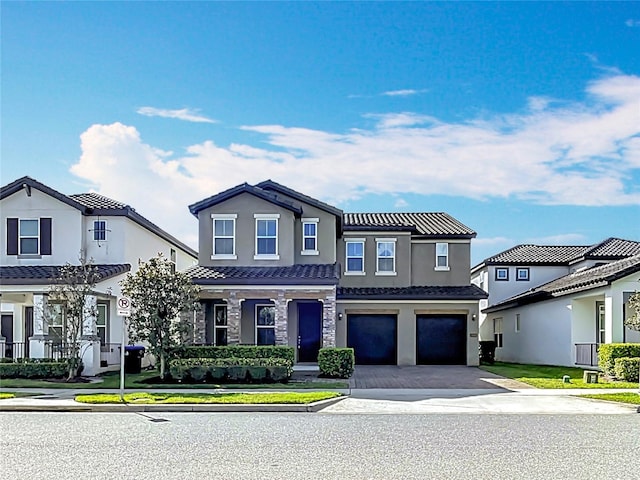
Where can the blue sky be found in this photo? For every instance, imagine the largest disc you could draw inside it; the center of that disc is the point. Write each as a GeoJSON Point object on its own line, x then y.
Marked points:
{"type": "Point", "coordinates": [522, 120]}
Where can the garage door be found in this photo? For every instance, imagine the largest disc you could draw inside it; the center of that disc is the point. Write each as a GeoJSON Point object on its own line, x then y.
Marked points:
{"type": "Point", "coordinates": [441, 339]}
{"type": "Point", "coordinates": [373, 338]}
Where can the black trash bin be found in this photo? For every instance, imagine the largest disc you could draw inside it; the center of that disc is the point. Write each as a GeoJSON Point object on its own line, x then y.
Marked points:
{"type": "Point", "coordinates": [133, 358]}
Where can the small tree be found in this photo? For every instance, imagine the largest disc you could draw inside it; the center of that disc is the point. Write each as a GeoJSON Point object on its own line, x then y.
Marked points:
{"type": "Point", "coordinates": [633, 321]}
{"type": "Point", "coordinates": [159, 295]}
{"type": "Point", "coordinates": [68, 305]}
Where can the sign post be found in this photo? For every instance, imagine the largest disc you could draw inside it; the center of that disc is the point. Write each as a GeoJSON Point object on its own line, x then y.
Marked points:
{"type": "Point", "coordinates": [124, 310]}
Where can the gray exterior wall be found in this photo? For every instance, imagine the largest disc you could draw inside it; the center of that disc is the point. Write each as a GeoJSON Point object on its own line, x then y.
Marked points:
{"type": "Point", "coordinates": [423, 261]}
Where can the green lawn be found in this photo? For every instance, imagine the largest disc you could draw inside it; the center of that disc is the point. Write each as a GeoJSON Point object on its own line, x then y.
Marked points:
{"type": "Point", "coordinates": [632, 398]}
{"type": "Point", "coordinates": [545, 376]}
{"type": "Point", "coordinates": [112, 380]}
{"type": "Point", "coordinates": [226, 398]}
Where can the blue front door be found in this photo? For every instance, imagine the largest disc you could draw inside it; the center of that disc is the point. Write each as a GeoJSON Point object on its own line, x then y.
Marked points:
{"type": "Point", "coordinates": [309, 331]}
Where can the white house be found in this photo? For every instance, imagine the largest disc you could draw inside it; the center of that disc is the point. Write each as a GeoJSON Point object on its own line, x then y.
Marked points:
{"type": "Point", "coordinates": [556, 304]}
{"type": "Point", "coordinates": [44, 230]}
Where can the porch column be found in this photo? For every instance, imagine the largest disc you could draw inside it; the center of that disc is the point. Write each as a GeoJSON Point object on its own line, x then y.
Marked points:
{"type": "Point", "coordinates": [612, 321]}
{"type": "Point", "coordinates": [329, 319]}
{"type": "Point", "coordinates": [234, 315]}
{"type": "Point", "coordinates": [37, 342]}
{"type": "Point", "coordinates": [89, 340]}
{"type": "Point", "coordinates": [617, 314]}
{"type": "Point", "coordinates": [281, 327]}
{"type": "Point", "coordinates": [199, 326]}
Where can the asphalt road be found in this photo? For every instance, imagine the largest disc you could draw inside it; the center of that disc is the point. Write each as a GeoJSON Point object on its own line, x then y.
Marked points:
{"type": "Point", "coordinates": [318, 446]}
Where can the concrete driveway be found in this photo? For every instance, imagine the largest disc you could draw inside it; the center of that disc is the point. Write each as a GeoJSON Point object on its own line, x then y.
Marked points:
{"type": "Point", "coordinates": [427, 377]}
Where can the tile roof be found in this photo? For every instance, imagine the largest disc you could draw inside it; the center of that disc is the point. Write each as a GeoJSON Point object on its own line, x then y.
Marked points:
{"type": "Point", "coordinates": [587, 279]}
{"type": "Point", "coordinates": [613, 248]}
{"type": "Point", "coordinates": [466, 292]}
{"type": "Point", "coordinates": [276, 187]}
{"type": "Point", "coordinates": [430, 224]}
{"type": "Point", "coordinates": [93, 200]}
{"type": "Point", "coordinates": [304, 274]}
{"type": "Point", "coordinates": [46, 274]}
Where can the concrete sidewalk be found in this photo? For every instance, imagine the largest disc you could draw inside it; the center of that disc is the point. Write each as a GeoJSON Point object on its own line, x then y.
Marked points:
{"type": "Point", "coordinates": [355, 401]}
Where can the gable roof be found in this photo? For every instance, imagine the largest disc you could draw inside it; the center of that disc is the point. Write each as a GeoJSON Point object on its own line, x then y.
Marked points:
{"type": "Point", "coordinates": [302, 274]}
{"type": "Point", "coordinates": [46, 274]}
{"type": "Point", "coordinates": [582, 280]}
{"type": "Point", "coordinates": [427, 224]}
{"type": "Point", "coordinates": [276, 187]}
{"type": "Point", "coordinates": [244, 188]}
{"type": "Point", "coordinates": [94, 204]}
{"type": "Point", "coordinates": [563, 255]}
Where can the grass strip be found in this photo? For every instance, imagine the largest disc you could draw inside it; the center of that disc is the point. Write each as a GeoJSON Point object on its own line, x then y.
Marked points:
{"type": "Point", "coordinates": [6, 395]}
{"type": "Point", "coordinates": [631, 398]}
{"type": "Point", "coordinates": [547, 376]}
{"type": "Point", "coordinates": [209, 398]}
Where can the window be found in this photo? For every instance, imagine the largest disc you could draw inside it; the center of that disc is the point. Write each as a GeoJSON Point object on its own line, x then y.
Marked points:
{"type": "Point", "coordinates": [522, 274]}
{"type": "Point", "coordinates": [265, 325]}
{"type": "Point", "coordinates": [355, 257]}
{"type": "Point", "coordinates": [502, 274]}
{"type": "Point", "coordinates": [600, 325]}
{"type": "Point", "coordinates": [29, 237]}
{"type": "Point", "coordinates": [224, 236]}
{"type": "Point", "coordinates": [309, 236]}
{"type": "Point", "coordinates": [220, 324]}
{"type": "Point", "coordinates": [266, 237]}
{"type": "Point", "coordinates": [517, 322]}
{"type": "Point", "coordinates": [497, 331]}
{"type": "Point", "coordinates": [100, 230]}
{"type": "Point", "coordinates": [442, 256]}
{"type": "Point", "coordinates": [101, 323]}
{"type": "Point", "coordinates": [55, 321]}
{"type": "Point", "coordinates": [386, 257]}
{"type": "Point", "coordinates": [172, 259]}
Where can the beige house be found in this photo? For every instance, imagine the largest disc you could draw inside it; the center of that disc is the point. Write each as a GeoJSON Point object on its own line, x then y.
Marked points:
{"type": "Point", "coordinates": [279, 267]}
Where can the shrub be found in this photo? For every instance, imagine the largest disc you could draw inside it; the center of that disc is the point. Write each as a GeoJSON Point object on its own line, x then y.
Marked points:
{"type": "Point", "coordinates": [487, 352]}
{"type": "Point", "coordinates": [626, 368]}
{"type": "Point", "coordinates": [241, 351]}
{"type": "Point", "coordinates": [608, 352]}
{"type": "Point", "coordinates": [26, 369]}
{"type": "Point", "coordinates": [238, 370]}
{"type": "Point", "coordinates": [336, 362]}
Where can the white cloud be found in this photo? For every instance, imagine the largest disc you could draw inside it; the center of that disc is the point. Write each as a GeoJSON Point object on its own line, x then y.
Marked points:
{"type": "Point", "coordinates": [584, 153]}
{"type": "Point", "coordinates": [185, 114]}
{"type": "Point", "coordinates": [402, 93]}
{"type": "Point", "coordinates": [401, 203]}
{"type": "Point", "coordinates": [560, 239]}
{"type": "Point", "coordinates": [632, 23]}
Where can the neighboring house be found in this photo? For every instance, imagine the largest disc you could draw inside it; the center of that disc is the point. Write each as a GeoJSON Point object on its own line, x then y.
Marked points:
{"type": "Point", "coordinates": [44, 230]}
{"type": "Point", "coordinates": [277, 267]}
{"type": "Point", "coordinates": [557, 304]}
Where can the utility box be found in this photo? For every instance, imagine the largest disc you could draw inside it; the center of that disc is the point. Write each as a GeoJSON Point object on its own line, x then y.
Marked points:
{"type": "Point", "coordinates": [589, 376]}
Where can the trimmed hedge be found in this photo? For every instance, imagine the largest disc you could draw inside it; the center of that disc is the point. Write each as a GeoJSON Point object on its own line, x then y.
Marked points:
{"type": "Point", "coordinates": [239, 370]}
{"type": "Point", "coordinates": [336, 362]}
{"type": "Point", "coordinates": [608, 352]}
{"type": "Point", "coordinates": [627, 368]}
{"type": "Point", "coordinates": [37, 369]}
{"type": "Point", "coordinates": [241, 351]}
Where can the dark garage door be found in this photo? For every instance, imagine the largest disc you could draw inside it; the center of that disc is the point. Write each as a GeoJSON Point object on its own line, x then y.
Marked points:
{"type": "Point", "coordinates": [373, 338]}
{"type": "Point", "coordinates": [441, 339]}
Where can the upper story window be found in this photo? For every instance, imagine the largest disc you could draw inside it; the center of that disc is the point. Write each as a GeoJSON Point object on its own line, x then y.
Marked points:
{"type": "Point", "coordinates": [309, 236]}
{"type": "Point", "coordinates": [386, 256]}
{"type": "Point", "coordinates": [173, 260]}
{"type": "Point", "coordinates": [502, 274]}
{"type": "Point", "coordinates": [354, 260]}
{"type": "Point", "coordinates": [266, 236]}
{"type": "Point", "coordinates": [28, 236]}
{"type": "Point", "coordinates": [442, 256]}
{"type": "Point", "coordinates": [224, 236]}
{"type": "Point", "coordinates": [522, 274]}
{"type": "Point", "coordinates": [100, 230]}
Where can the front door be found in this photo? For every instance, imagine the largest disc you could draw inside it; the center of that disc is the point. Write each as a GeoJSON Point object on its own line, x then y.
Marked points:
{"type": "Point", "coordinates": [6, 330]}
{"type": "Point", "coordinates": [309, 331]}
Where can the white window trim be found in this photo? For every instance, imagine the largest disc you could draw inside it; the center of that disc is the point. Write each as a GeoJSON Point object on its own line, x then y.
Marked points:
{"type": "Point", "coordinates": [219, 327]}
{"type": "Point", "coordinates": [497, 278]}
{"type": "Point", "coordinates": [223, 216]}
{"type": "Point", "coordinates": [266, 216]}
{"type": "Point", "coordinates": [446, 267]}
{"type": "Point", "coordinates": [20, 236]}
{"type": "Point", "coordinates": [106, 320]}
{"type": "Point", "coordinates": [523, 269]}
{"type": "Point", "coordinates": [395, 270]}
{"type": "Point", "coordinates": [255, 321]}
{"type": "Point", "coordinates": [315, 237]}
{"type": "Point", "coordinates": [346, 257]}
{"type": "Point", "coordinates": [95, 230]}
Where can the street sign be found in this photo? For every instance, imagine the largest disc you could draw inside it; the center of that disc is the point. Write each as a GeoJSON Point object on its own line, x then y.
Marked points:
{"type": "Point", "coordinates": [124, 306]}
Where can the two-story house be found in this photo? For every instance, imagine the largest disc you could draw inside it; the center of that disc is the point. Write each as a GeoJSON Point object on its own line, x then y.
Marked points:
{"type": "Point", "coordinates": [557, 304]}
{"type": "Point", "coordinates": [277, 267]}
{"type": "Point", "coordinates": [43, 230]}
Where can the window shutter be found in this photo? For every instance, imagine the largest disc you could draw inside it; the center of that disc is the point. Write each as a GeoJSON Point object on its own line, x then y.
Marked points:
{"type": "Point", "coordinates": [45, 236]}
{"type": "Point", "coordinates": [12, 236]}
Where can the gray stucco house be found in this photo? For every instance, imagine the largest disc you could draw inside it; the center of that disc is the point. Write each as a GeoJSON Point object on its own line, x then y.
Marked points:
{"type": "Point", "coordinates": [279, 267]}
